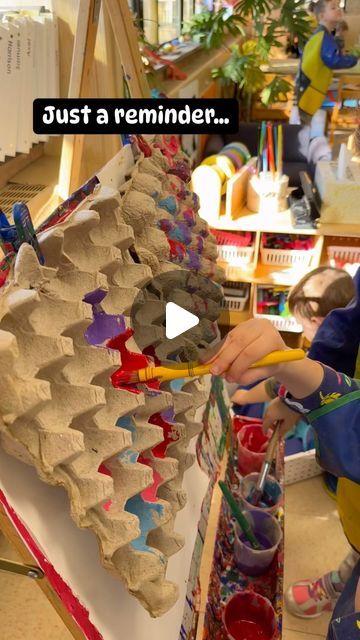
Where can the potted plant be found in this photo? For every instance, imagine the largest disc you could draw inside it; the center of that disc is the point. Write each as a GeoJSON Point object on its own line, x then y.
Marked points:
{"type": "Point", "coordinates": [271, 22]}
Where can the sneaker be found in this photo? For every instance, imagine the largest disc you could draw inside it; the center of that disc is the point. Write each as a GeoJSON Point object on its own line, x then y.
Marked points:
{"type": "Point", "coordinates": [310, 599]}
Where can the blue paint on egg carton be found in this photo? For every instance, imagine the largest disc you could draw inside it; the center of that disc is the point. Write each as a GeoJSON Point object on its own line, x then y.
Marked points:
{"type": "Point", "coordinates": [148, 513]}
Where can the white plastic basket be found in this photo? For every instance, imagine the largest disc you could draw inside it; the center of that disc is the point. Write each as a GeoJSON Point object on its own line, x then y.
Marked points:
{"type": "Point", "coordinates": [235, 255]}
{"type": "Point", "coordinates": [345, 254]}
{"type": "Point", "coordinates": [235, 302]}
{"type": "Point", "coordinates": [301, 466]}
{"type": "Point", "coordinates": [282, 324]}
{"type": "Point", "coordinates": [286, 323]}
{"type": "Point", "coordinates": [286, 257]}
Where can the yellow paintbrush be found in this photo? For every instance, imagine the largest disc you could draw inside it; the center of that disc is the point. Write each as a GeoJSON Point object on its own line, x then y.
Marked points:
{"type": "Point", "coordinates": [192, 369]}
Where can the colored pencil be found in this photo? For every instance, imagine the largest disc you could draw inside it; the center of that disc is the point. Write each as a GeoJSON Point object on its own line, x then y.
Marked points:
{"type": "Point", "coordinates": [271, 148]}
{"type": "Point", "coordinates": [280, 149]}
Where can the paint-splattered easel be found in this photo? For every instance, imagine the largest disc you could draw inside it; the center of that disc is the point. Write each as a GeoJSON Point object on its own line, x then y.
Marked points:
{"type": "Point", "coordinates": [69, 180]}
{"type": "Point", "coordinates": [125, 35]}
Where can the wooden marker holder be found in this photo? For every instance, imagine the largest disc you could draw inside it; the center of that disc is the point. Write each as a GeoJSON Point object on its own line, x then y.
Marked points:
{"type": "Point", "coordinates": [207, 184]}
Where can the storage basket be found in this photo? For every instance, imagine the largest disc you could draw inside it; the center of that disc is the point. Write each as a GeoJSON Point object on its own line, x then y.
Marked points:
{"type": "Point", "coordinates": [344, 254]}
{"type": "Point", "coordinates": [282, 323]}
{"type": "Point", "coordinates": [235, 255]}
{"type": "Point", "coordinates": [301, 466]}
{"type": "Point", "coordinates": [236, 296]}
{"type": "Point", "coordinates": [286, 257]}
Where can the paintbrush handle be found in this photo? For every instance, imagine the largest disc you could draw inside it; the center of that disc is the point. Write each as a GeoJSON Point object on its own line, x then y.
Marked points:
{"type": "Point", "coordinates": [278, 357]}
{"type": "Point", "coordinates": [190, 370]}
{"type": "Point", "coordinates": [240, 518]}
{"type": "Point", "coordinates": [271, 448]}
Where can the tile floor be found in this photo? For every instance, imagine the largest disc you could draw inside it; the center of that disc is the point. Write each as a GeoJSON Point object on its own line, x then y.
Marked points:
{"type": "Point", "coordinates": [314, 543]}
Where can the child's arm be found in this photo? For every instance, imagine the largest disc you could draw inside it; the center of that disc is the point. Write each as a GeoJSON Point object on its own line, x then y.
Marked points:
{"type": "Point", "coordinates": [259, 393]}
{"type": "Point", "coordinates": [331, 57]}
{"type": "Point", "coordinates": [330, 400]}
{"type": "Point", "coordinates": [254, 339]}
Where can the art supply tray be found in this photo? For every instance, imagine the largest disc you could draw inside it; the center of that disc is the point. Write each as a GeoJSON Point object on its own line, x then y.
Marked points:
{"type": "Point", "coordinates": [226, 579]}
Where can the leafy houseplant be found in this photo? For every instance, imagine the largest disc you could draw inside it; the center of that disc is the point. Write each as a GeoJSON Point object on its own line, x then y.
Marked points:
{"type": "Point", "coordinates": [210, 29]}
{"type": "Point", "coordinates": [270, 21]}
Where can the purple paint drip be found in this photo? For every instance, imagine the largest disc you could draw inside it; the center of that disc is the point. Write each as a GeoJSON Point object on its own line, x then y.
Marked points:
{"type": "Point", "coordinates": [105, 326]}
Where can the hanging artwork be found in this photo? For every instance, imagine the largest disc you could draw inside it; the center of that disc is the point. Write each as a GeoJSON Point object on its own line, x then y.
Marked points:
{"type": "Point", "coordinates": [119, 452]}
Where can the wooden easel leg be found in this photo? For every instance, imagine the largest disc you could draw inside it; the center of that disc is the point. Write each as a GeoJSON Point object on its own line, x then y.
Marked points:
{"type": "Point", "coordinates": [82, 62]}
{"type": "Point", "coordinates": [126, 39]}
{"type": "Point", "coordinates": [10, 533]}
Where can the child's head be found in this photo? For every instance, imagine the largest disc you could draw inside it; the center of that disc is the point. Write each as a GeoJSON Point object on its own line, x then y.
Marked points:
{"type": "Point", "coordinates": [327, 12]}
{"type": "Point", "coordinates": [318, 293]}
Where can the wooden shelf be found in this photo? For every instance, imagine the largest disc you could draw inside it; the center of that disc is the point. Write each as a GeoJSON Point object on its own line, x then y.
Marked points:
{"type": "Point", "coordinates": [233, 318]}
{"type": "Point", "coordinates": [245, 220]}
{"type": "Point", "coordinates": [266, 274]}
{"type": "Point", "coordinates": [12, 166]}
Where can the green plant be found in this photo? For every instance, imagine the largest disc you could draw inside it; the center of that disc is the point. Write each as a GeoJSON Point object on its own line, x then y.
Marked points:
{"type": "Point", "coordinates": [210, 29]}
{"type": "Point", "coordinates": [271, 21]}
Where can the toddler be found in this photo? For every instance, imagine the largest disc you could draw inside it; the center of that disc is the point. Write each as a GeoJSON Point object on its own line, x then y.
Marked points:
{"type": "Point", "coordinates": [321, 56]}
{"type": "Point", "coordinates": [310, 301]}
{"type": "Point", "coordinates": [331, 403]}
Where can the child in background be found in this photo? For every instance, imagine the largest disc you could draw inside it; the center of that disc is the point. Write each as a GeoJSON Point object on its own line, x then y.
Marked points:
{"type": "Point", "coordinates": [331, 403]}
{"type": "Point", "coordinates": [310, 301]}
{"type": "Point", "coordinates": [320, 56]}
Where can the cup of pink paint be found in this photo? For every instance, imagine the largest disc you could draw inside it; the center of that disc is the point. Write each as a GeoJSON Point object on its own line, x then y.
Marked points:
{"type": "Point", "coordinates": [251, 448]}
{"type": "Point", "coordinates": [272, 496]}
{"type": "Point", "coordinates": [267, 530]}
{"type": "Point", "coordinates": [249, 616]}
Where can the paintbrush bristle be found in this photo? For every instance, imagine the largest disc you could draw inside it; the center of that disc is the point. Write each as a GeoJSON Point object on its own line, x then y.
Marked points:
{"type": "Point", "coordinates": [123, 378]}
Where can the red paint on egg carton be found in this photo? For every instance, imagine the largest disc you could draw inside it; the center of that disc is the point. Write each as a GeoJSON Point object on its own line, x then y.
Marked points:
{"type": "Point", "coordinates": [130, 363]}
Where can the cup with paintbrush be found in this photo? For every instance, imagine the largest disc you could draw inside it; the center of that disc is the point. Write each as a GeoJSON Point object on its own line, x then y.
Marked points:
{"type": "Point", "coordinates": [266, 528]}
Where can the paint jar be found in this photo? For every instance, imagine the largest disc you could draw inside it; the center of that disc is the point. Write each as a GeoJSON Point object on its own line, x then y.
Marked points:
{"type": "Point", "coordinates": [249, 616]}
{"type": "Point", "coordinates": [268, 532]}
{"type": "Point", "coordinates": [251, 454]}
{"type": "Point", "coordinates": [271, 498]}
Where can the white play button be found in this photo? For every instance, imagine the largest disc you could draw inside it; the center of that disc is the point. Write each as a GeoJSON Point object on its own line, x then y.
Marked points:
{"type": "Point", "coordinates": [178, 320]}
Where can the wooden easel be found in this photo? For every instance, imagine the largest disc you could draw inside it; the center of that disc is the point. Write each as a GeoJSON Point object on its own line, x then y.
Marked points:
{"type": "Point", "coordinates": [125, 35]}
{"type": "Point", "coordinates": [70, 163]}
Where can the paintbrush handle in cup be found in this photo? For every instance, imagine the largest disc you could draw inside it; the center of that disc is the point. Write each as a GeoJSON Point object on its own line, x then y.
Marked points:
{"type": "Point", "coordinates": [271, 448]}
{"type": "Point", "coordinates": [240, 518]}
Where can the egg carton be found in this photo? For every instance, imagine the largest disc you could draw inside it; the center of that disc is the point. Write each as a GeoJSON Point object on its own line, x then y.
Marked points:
{"type": "Point", "coordinates": [58, 409]}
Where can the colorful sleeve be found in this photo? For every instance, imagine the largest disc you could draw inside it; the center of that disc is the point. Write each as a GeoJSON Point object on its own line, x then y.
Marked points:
{"type": "Point", "coordinates": [331, 56]}
{"type": "Point", "coordinates": [334, 385]}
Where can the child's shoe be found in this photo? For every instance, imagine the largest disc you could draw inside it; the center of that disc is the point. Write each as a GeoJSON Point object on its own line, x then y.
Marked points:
{"type": "Point", "coordinates": [309, 599]}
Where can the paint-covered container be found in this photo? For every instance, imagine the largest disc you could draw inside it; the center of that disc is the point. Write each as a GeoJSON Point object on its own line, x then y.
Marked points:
{"type": "Point", "coordinates": [249, 616]}
{"type": "Point", "coordinates": [266, 528]}
{"type": "Point", "coordinates": [252, 444]}
{"type": "Point", "coordinates": [272, 496]}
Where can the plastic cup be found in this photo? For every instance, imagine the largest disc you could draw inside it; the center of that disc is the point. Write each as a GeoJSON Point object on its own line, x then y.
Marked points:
{"type": "Point", "coordinates": [268, 532]}
{"type": "Point", "coordinates": [250, 442]}
{"type": "Point", "coordinates": [272, 496]}
{"type": "Point", "coordinates": [249, 615]}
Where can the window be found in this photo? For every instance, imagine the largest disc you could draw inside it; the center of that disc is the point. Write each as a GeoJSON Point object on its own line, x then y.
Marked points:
{"type": "Point", "coordinates": [161, 20]}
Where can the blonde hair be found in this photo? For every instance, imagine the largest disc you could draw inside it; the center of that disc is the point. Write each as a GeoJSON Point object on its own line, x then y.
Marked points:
{"type": "Point", "coordinates": [318, 7]}
{"type": "Point", "coordinates": [321, 291]}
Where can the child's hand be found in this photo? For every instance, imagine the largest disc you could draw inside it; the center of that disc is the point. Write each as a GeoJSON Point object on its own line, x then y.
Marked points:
{"type": "Point", "coordinates": [278, 411]}
{"type": "Point", "coordinates": [243, 346]}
